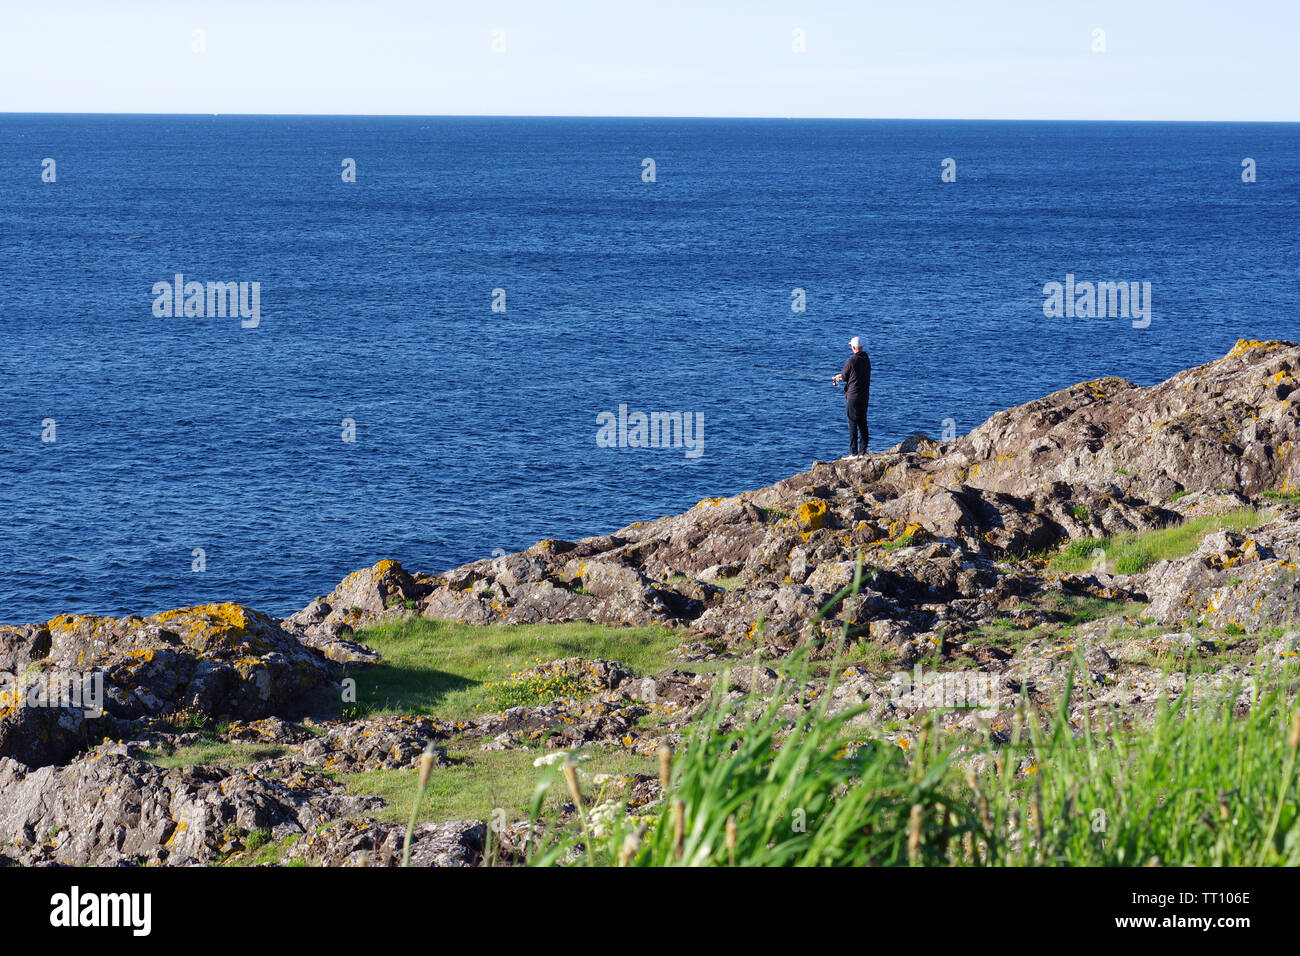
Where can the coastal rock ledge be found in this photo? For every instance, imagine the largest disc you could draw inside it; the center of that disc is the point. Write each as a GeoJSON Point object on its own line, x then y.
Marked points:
{"type": "Point", "coordinates": [1013, 526]}
{"type": "Point", "coordinates": [932, 520]}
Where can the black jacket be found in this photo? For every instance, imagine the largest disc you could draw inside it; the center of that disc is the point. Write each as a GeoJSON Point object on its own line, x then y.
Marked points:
{"type": "Point", "coordinates": [857, 377]}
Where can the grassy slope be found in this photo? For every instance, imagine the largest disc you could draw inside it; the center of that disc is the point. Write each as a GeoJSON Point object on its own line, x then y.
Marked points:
{"type": "Point", "coordinates": [449, 670]}
{"type": "Point", "coordinates": [446, 670]}
{"type": "Point", "coordinates": [1135, 552]}
{"type": "Point", "coordinates": [482, 783]}
{"type": "Point", "coordinates": [1199, 787]}
{"type": "Point", "coordinates": [215, 753]}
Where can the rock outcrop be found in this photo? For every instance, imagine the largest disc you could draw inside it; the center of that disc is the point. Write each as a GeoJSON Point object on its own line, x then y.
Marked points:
{"type": "Point", "coordinates": [219, 659]}
{"type": "Point", "coordinates": [108, 808]}
{"type": "Point", "coordinates": [933, 519]}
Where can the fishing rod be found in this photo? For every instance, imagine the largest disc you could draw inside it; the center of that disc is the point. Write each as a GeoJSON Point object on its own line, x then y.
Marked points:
{"type": "Point", "coordinates": [777, 371]}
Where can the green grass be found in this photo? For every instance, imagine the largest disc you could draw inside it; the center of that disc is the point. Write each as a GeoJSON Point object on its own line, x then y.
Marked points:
{"type": "Point", "coordinates": [1197, 787]}
{"type": "Point", "coordinates": [479, 783]}
{"type": "Point", "coordinates": [532, 690]}
{"type": "Point", "coordinates": [759, 783]}
{"type": "Point", "coordinates": [213, 753]}
{"type": "Point", "coordinates": [1284, 497]}
{"type": "Point", "coordinates": [1003, 634]}
{"type": "Point", "coordinates": [258, 848]}
{"type": "Point", "coordinates": [1132, 553]}
{"type": "Point", "coordinates": [1079, 609]}
{"type": "Point", "coordinates": [446, 670]}
{"type": "Point", "coordinates": [1130, 632]}
{"type": "Point", "coordinates": [871, 658]}
{"type": "Point", "coordinates": [727, 581]}
{"type": "Point", "coordinates": [1199, 661]}
{"type": "Point", "coordinates": [902, 541]}
{"type": "Point", "coordinates": [1072, 610]}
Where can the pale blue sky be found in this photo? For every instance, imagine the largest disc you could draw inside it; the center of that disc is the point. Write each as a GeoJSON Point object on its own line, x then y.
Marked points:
{"type": "Point", "coordinates": [1163, 59]}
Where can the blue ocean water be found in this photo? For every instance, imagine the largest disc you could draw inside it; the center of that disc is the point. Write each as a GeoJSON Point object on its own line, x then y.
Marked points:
{"type": "Point", "coordinates": [475, 430]}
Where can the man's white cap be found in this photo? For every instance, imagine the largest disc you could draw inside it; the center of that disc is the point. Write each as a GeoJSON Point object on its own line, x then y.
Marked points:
{"type": "Point", "coordinates": [855, 343]}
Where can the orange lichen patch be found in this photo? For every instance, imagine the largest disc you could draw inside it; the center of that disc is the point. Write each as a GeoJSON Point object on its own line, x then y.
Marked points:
{"type": "Point", "coordinates": [138, 657]}
{"type": "Point", "coordinates": [98, 628]}
{"type": "Point", "coordinates": [226, 625]}
{"type": "Point", "coordinates": [1103, 387]}
{"type": "Point", "coordinates": [710, 502]}
{"type": "Point", "coordinates": [200, 616]}
{"type": "Point", "coordinates": [1249, 552]}
{"type": "Point", "coordinates": [181, 827]}
{"type": "Point", "coordinates": [812, 514]}
{"type": "Point", "coordinates": [1249, 345]}
{"type": "Point", "coordinates": [372, 575]}
{"type": "Point", "coordinates": [903, 529]}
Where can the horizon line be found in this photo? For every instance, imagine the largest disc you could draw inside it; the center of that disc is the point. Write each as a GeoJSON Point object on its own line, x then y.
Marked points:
{"type": "Point", "coordinates": [642, 116]}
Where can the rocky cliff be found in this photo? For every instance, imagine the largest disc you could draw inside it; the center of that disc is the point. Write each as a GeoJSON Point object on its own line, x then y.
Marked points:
{"type": "Point", "coordinates": [969, 550]}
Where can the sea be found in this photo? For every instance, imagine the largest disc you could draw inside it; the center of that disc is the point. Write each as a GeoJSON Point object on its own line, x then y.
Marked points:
{"type": "Point", "coordinates": [451, 327]}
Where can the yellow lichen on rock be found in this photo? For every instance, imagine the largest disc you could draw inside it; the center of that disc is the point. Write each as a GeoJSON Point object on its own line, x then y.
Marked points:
{"type": "Point", "coordinates": [227, 625]}
{"type": "Point", "coordinates": [207, 620]}
{"type": "Point", "coordinates": [812, 514]}
{"type": "Point", "coordinates": [98, 627]}
{"type": "Point", "coordinates": [1249, 345]}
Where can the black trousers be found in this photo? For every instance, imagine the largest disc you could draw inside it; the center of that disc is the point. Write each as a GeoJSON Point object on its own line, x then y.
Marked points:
{"type": "Point", "coordinates": [856, 408]}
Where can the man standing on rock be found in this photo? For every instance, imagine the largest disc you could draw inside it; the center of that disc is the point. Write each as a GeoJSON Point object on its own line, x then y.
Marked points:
{"type": "Point", "coordinates": [856, 377]}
